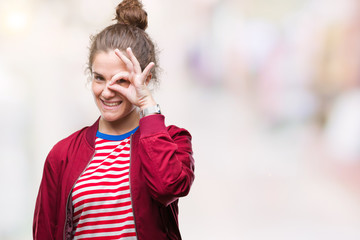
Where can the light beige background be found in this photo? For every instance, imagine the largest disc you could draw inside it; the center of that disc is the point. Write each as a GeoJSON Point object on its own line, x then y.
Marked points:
{"type": "Point", "coordinates": [268, 89]}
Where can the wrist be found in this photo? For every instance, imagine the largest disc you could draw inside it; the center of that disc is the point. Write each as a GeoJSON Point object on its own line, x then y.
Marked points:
{"type": "Point", "coordinates": [151, 110]}
{"type": "Point", "coordinates": [147, 103]}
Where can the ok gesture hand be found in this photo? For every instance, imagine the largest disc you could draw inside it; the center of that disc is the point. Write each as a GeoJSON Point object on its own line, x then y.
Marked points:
{"type": "Point", "coordinates": [137, 91]}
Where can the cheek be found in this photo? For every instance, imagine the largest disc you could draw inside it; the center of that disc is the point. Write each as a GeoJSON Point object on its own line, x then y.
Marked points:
{"type": "Point", "coordinates": [130, 106]}
{"type": "Point", "coordinates": [95, 89]}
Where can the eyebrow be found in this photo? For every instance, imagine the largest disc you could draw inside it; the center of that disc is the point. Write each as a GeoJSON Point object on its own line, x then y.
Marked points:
{"type": "Point", "coordinates": [97, 74]}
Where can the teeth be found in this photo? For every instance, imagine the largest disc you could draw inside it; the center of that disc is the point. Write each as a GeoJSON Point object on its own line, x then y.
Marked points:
{"type": "Point", "coordinates": [112, 104]}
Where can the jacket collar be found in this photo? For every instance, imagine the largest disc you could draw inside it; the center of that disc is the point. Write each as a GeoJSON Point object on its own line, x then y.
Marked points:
{"type": "Point", "coordinates": [91, 133]}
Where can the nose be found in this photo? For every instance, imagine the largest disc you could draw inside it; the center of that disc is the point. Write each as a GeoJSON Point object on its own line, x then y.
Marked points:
{"type": "Point", "coordinates": [107, 93]}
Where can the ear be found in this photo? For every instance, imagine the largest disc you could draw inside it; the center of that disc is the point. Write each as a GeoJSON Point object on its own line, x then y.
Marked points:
{"type": "Point", "coordinates": [148, 79]}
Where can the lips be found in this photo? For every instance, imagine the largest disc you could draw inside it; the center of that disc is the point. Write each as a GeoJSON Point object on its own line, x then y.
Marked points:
{"type": "Point", "coordinates": [110, 104]}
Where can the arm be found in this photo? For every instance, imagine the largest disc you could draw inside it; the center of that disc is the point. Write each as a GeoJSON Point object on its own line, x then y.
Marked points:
{"type": "Point", "coordinates": [167, 160]}
{"type": "Point", "coordinates": [166, 153]}
{"type": "Point", "coordinates": [45, 209]}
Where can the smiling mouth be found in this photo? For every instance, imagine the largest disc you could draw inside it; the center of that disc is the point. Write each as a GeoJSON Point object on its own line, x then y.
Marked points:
{"type": "Point", "coordinates": [111, 104]}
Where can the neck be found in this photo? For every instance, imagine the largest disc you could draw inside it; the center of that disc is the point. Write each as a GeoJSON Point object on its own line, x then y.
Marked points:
{"type": "Point", "coordinates": [120, 126]}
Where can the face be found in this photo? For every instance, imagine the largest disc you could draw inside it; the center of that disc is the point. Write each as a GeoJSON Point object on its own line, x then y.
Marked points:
{"type": "Point", "coordinates": [113, 106]}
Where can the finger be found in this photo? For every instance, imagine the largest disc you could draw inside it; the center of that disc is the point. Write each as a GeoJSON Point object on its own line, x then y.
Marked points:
{"type": "Point", "coordinates": [134, 60]}
{"type": "Point", "coordinates": [147, 70]}
{"type": "Point", "coordinates": [119, 76]}
{"type": "Point", "coordinates": [120, 89]}
{"type": "Point", "coordinates": [129, 65]}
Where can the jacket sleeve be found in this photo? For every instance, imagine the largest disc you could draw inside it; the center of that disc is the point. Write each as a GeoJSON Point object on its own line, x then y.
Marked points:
{"type": "Point", "coordinates": [167, 160]}
{"type": "Point", "coordinates": [45, 209]}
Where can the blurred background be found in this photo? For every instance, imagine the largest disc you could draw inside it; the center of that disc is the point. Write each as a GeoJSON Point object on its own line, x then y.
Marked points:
{"type": "Point", "coordinates": [270, 91]}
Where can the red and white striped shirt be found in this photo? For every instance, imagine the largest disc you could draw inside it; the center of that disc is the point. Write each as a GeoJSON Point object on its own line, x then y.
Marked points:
{"type": "Point", "coordinates": [101, 195]}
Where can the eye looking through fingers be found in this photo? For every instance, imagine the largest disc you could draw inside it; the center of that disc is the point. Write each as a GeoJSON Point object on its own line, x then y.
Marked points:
{"type": "Point", "coordinates": [123, 82]}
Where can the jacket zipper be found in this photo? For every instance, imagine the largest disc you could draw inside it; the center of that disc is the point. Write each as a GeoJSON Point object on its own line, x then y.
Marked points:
{"type": "Point", "coordinates": [68, 199]}
{"type": "Point", "coordinates": [130, 188]}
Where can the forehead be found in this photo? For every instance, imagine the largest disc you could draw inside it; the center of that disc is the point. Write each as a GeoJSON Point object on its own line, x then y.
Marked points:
{"type": "Point", "coordinates": [107, 63]}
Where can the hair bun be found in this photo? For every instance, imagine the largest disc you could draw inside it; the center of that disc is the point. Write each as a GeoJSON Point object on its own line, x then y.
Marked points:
{"type": "Point", "coordinates": [131, 12]}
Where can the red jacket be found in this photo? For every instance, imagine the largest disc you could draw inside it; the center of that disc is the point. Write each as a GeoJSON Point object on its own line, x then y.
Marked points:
{"type": "Point", "coordinates": [161, 171]}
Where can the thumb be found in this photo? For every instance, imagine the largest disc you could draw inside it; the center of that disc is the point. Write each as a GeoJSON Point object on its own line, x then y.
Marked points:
{"type": "Point", "coordinates": [118, 88]}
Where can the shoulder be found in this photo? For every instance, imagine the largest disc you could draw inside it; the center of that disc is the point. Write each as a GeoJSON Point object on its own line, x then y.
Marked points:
{"type": "Point", "coordinates": [60, 150]}
{"type": "Point", "coordinates": [65, 142]}
{"type": "Point", "coordinates": [86, 134]}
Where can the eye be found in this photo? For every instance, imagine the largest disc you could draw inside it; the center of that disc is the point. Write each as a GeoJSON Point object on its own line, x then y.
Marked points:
{"type": "Point", "coordinates": [123, 82]}
{"type": "Point", "coordinates": [98, 78]}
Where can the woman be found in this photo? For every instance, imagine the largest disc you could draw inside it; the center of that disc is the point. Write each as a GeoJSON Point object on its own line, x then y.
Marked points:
{"type": "Point", "coordinates": [121, 177]}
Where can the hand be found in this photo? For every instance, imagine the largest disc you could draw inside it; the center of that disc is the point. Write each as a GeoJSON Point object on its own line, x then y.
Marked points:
{"type": "Point", "coordinates": [137, 91]}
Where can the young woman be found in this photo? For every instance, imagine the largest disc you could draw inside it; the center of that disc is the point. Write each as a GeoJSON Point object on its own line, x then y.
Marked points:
{"type": "Point", "coordinates": [121, 177]}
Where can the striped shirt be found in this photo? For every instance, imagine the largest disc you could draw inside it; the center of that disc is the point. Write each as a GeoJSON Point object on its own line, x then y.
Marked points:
{"type": "Point", "coordinates": [101, 195]}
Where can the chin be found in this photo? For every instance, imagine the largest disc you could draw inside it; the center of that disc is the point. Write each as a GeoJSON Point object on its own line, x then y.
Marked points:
{"type": "Point", "coordinates": [109, 118]}
{"type": "Point", "coordinates": [113, 117]}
